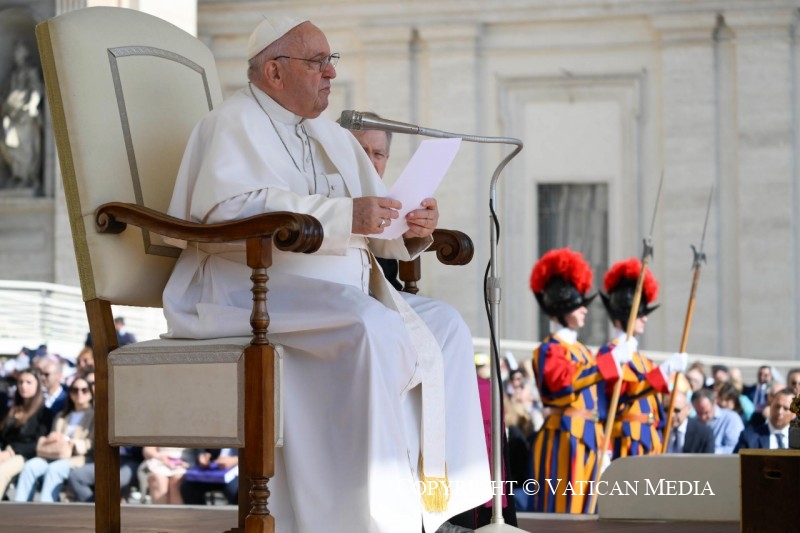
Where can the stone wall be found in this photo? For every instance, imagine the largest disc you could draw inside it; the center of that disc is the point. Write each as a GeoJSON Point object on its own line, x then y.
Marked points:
{"type": "Point", "coordinates": [704, 91]}
{"type": "Point", "coordinates": [600, 92]}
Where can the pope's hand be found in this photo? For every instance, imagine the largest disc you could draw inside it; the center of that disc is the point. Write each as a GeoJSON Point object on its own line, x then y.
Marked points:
{"type": "Point", "coordinates": [422, 222]}
{"type": "Point", "coordinates": [373, 214]}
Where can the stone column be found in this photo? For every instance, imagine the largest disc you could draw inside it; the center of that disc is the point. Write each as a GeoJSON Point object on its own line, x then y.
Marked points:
{"type": "Point", "coordinates": [449, 87]}
{"type": "Point", "coordinates": [687, 92]}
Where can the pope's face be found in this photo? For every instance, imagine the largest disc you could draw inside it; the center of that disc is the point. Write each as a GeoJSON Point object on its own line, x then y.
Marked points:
{"type": "Point", "coordinates": [306, 88]}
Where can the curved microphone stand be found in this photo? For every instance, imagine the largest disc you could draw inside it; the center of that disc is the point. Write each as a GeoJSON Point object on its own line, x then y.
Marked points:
{"type": "Point", "coordinates": [492, 299]}
{"type": "Point", "coordinates": [354, 120]}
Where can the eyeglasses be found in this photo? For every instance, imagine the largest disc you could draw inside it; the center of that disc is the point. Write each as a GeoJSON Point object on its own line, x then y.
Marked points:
{"type": "Point", "coordinates": [82, 390]}
{"type": "Point", "coordinates": [323, 63]}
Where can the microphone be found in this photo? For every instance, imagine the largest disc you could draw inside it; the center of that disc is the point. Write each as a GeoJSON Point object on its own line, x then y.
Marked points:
{"type": "Point", "coordinates": [354, 120]}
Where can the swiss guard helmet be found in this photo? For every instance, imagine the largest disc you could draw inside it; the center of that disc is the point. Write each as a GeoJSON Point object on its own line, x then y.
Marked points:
{"type": "Point", "coordinates": [619, 285]}
{"type": "Point", "coordinates": [560, 281]}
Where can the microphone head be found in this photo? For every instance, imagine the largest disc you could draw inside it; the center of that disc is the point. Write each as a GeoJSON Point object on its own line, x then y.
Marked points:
{"type": "Point", "coordinates": [351, 120]}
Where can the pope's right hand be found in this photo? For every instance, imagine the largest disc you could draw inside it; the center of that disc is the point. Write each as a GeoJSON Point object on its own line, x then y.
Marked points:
{"type": "Point", "coordinates": [373, 214]}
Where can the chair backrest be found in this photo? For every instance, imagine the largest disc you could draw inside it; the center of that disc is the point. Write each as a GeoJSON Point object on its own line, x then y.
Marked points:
{"type": "Point", "coordinates": [125, 90]}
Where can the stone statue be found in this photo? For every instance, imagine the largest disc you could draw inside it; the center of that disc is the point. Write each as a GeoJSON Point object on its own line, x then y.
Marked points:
{"type": "Point", "coordinates": [21, 139]}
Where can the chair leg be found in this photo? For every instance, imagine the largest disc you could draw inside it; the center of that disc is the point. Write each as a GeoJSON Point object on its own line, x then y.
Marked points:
{"type": "Point", "coordinates": [258, 519]}
{"type": "Point", "coordinates": [254, 516]}
{"type": "Point", "coordinates": [106, 457]}
{"type": "Point", "coordinates": [107, 490]}
{"type": "Point", "coordinates": [259, 451]}
{"type": "Point", "coordinates": [244, 490]}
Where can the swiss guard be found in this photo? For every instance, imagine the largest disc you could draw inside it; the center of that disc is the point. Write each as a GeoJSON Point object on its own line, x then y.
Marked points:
{"type": "Point", "coordinates": [640, 416]}
{"type": "Point", "coordinates": [570, 383]}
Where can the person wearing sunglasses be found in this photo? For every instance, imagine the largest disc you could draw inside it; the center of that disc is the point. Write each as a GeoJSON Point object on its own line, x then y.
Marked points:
{"type": "Point", "coordinates": [688, 434]}
{"type": "Point", "coordinates": [51, 372]}
{"type": "Point", "coordinates": [63, 449]}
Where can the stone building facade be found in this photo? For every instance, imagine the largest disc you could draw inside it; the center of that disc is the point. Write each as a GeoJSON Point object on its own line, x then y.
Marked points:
{"type": "Point", "coordinates": [606, 96]}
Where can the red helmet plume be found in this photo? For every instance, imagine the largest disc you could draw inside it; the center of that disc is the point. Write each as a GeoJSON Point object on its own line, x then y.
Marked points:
{"type": "Point", "coordinates": [627, 270]}
{"type": "Point", "coordinates": [619, 285]}
{"type": "Point", "coordinates": [560, 281]}
{"type": "Point", "coordinates": [563, 262]}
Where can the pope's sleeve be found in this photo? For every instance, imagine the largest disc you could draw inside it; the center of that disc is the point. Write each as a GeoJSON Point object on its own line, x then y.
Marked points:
{"type": "Point", "coordinates": [404, 250]}
{"type": "Point", "coordinates": [229, 177]}
{"type": "Point", "coordinates": [335, 214]}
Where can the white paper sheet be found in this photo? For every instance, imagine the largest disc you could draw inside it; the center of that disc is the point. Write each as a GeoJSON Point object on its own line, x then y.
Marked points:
{"type": "Point", "coordinates": [419, 180]}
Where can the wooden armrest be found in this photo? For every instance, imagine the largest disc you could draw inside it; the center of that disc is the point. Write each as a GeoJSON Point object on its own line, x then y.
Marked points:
{"type": "Point", "coordinates": [291, 232]}
{"type": "Point", "coordinates": [452, 247]}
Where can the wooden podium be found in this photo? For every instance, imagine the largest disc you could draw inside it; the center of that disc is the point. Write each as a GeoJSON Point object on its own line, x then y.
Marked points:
{"type": "Point", "coordinates": [770, 490]}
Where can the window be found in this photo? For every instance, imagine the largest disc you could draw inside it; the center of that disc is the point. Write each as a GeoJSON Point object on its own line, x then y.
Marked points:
{"type": "Point", "coordinates": [576, 216]}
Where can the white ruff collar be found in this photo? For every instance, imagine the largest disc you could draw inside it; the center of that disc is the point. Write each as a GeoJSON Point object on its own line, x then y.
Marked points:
{"type": "Point", "coordinates": [568, 335]}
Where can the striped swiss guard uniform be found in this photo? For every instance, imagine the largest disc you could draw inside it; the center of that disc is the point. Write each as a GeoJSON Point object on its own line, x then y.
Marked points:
{"type": "Point", "coordinates": [572, 385]}
{"type": "Point", "coordinates": [639, 422]}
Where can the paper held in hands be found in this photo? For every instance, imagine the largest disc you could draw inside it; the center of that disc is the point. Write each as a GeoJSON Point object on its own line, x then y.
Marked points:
{"type": "Point", "coordinates": [419, 180]}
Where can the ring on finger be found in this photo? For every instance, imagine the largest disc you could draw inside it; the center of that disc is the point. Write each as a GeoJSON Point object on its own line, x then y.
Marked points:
{"type": "Point", "coordinates": [383, 223]}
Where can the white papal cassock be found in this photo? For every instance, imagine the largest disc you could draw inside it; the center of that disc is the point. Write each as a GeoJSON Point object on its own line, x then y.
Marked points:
{"type": "Point", "coordinates": [351, 370]}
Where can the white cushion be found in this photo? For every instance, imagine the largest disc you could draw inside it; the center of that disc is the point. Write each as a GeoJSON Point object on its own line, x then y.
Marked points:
{"type": "Point", "coordinates": [182, 393]}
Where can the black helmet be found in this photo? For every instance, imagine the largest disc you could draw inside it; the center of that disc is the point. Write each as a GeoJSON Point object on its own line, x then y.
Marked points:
{"type": "Point", "coordinates": [560, 281]}
{"type": "Point", "coordinates": [619, 284]}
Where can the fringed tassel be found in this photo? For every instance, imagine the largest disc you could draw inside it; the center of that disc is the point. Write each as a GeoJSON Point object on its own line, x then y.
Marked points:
{"type": "Point", "coordinates": [435, 490]}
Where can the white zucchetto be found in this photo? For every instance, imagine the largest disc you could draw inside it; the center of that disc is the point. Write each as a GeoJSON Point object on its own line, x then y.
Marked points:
{"type": "Point", "coordinates": [268, 31]}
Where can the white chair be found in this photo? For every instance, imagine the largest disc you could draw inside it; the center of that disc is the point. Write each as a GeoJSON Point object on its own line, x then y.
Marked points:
{"type": "Point", "coordinates": [125, 90]}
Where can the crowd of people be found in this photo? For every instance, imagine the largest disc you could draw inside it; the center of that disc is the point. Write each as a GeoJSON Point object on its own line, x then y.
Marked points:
{"type": "Point", "coordinates": [47, 427]}
{"type": "Point", "coordinates": [47, 432]}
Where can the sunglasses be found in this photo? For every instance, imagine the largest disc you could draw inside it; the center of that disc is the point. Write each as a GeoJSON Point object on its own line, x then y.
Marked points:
{"type": "Point", "coordinates": [82, 390]}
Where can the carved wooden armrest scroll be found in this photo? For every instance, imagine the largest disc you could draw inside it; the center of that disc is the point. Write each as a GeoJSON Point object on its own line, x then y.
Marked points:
{"type": "Point", "coordinates": [452, 247]}
{"type": "Point", "coordinates": [291, 232]}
